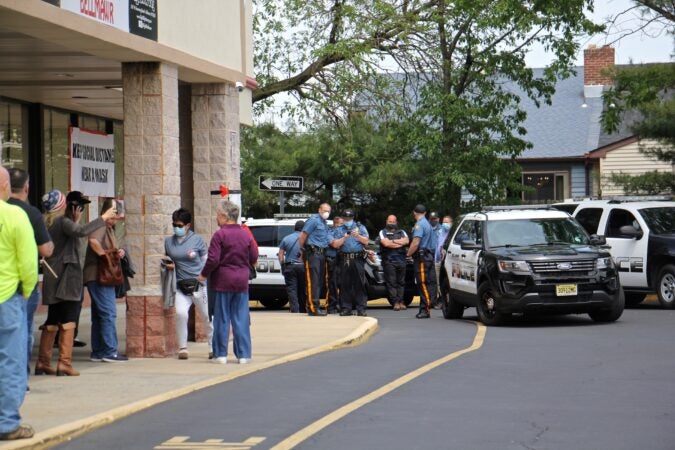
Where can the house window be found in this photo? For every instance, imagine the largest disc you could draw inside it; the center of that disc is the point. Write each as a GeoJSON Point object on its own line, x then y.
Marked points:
{"type": "Point", "coordinates": [546, 186]}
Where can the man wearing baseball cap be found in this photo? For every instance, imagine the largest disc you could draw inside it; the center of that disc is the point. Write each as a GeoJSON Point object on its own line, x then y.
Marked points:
{"type": "Point", "coordinates": [422, 251]}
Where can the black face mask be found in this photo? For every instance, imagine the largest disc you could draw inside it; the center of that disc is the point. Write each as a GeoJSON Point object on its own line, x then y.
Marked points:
{"type": "Point", "coordinates": [391, 226]}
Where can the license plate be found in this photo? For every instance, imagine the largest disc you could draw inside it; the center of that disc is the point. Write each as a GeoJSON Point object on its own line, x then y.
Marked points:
{"type": "Point", "coordinates": [562, 290]}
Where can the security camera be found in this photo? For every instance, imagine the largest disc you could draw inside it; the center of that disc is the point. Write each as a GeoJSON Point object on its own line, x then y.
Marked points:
{"type": "Point", "coordinates": [240, 86]}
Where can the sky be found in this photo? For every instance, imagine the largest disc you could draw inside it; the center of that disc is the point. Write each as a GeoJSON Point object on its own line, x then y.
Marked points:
{"type": "Point", "coordinates": [656, 46]}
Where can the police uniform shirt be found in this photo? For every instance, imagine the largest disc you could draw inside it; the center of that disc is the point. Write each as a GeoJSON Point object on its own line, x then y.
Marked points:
{"type": "Point", "coordinates": [318, 233]}
{"type": "Point", "coordinates": [423, 231]}
{"type": "Point", "coordinates": [434, 236]}
{"type": "Point", "coordinates": [351, 244]}
{"type": "Point", "coordinates": [291, 247]}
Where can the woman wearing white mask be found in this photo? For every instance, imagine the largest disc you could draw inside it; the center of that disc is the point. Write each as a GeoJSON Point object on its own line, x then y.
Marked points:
{"type": "Point", "coordinates": [188, 253]}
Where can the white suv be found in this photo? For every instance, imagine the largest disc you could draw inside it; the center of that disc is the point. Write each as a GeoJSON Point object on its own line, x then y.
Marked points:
{"type": "Point", "coordinates": [641, 235]}
{"type": "Point", "coordinates": [268, 286]}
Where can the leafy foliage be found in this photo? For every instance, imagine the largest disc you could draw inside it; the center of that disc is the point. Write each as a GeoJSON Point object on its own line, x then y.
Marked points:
{"type": "Point", "coordinates": [437, 69]}
{"type": "Point", "coordinates": [649, 183]}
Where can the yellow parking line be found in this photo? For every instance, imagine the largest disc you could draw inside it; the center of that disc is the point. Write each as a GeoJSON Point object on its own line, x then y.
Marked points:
{"type": "Point", "coordinates": [315, 427]}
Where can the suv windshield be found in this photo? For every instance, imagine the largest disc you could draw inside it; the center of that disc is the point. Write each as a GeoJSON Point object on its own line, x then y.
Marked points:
{"type": "Point", "coordinates": [524, 232]}
{"type": "Point", "coordinates": [270, 235]}
{"type": "Point", "coordinates": [659, 220]}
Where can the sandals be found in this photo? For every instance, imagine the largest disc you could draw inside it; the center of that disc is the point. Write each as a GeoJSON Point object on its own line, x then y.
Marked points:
{"type": "Point", "coordinates": [22, 432]}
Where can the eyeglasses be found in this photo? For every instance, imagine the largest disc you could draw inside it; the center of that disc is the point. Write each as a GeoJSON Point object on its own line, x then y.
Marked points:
{"type": "Point", "coordinates": [178, 225]}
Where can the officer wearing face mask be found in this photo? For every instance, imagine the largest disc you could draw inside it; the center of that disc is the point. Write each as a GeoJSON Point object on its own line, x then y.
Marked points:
{"type": "Point", "coordinates": [393, 241]}
{"type": "Point", "coordinates": [350, 240]}
{"type": "Point", "coordinates": [314, 240]}
{"type": "Point", "coordinates": [441, 247]}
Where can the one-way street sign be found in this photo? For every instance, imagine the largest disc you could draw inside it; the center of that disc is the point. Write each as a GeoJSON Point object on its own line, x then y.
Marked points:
{"type": "Point", "coordinates": [287, 184]}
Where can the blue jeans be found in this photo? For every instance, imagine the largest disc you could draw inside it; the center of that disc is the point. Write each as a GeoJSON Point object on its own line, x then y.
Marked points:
{"type": "Point", "coordinates": [231, 306]}
{"type": "Point", "coordinates": [12, 361]}
{"type": "Point", "coordinates": [103, 320]}
{"type": "Point", "coordinates": [31, 306]}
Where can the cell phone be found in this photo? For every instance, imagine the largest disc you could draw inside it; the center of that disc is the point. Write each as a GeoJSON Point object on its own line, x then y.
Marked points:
{"type": "Point", "coordinates": [118, 207]}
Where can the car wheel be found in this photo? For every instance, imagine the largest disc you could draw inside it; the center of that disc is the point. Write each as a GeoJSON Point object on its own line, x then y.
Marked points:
{"type": "Point", "coordinates": [612, 314]}
{"type": "Point", "coordinates": [487, 306]}
{"type": "Point", "coordinates": [634, 298]}
{"type": "Point", "coordinates": [275, 303]}
{"type": "Point", "coordinates": [451, 308]}
{"type": "Point", "coordinates": [665, 286]}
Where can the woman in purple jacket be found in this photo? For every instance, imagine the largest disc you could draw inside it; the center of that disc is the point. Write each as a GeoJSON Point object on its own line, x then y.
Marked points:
{"type": "Point", "coordinates": [231, 252]}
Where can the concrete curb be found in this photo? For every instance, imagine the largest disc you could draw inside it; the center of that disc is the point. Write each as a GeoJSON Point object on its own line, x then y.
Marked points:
{"type": "Point", "coordinates": [57, 435]}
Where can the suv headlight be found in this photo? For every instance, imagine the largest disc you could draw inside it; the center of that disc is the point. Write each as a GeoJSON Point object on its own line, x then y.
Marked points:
{"type": "Point", "coordinates": [604, 263]}
{"type": "Point", "coordinates": [513, 266]}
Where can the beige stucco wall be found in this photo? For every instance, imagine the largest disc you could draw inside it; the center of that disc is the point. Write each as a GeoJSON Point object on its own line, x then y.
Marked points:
{"type": "Point", "coordinates": [629, 160]}
{"type": "Point", "coordinates": [209, 29]}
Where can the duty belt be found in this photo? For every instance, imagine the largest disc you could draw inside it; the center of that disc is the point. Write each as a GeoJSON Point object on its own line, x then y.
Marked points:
{"type": "Point", "coordinates": [352, 255]}
{"type": "Point", "coordinates": [424, 252]}
{"type": "Point", "coordinates": [315, 249]}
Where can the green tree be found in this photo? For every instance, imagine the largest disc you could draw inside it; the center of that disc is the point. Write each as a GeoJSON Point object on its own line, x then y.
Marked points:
{"type": "Point", "coordinates": [642, 97]}
{"type": "Point", "coordinates": [442, 63]}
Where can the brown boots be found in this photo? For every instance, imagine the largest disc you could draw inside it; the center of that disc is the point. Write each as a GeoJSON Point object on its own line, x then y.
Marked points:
{"type": "Point", "coordinates": [66, 336]}
{"type": "Point", "coordinates": [44, 361]}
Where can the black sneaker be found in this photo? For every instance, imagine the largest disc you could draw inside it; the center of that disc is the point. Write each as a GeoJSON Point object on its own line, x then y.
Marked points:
{"type": "Point", "coordinates": [115, 358]}
{"type": "Point", "coordinates": [361, 313]}
{"type": "Point", "coordinates": [422, 315]}
{"type": "Point", "coordinates": [345, 313]}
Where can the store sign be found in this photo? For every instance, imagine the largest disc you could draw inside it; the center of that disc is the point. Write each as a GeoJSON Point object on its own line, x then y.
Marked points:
{"type": "Point", "coordinates": [92, 162]}
{"type": "Point", "coordinates": [135, 16]}
{"type": "Point", "coordinates": [143, 18]}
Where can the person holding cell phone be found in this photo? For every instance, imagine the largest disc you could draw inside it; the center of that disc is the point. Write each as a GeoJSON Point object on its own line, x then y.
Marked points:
{"type": "Point", "coordinates": [103, 299]}
{"type": "Point", "coordinates": [62, 289]}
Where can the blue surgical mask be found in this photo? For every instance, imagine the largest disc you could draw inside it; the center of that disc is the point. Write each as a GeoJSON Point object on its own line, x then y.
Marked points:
{"type": "Point", "coordinates": [446, 226]}
{"type": "Point", "coordinates": [349, 224]}
{"type": "Point", "coordinates": [179, 232]}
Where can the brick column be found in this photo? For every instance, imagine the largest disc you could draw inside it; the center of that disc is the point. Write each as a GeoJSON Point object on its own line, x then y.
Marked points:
{"type": "Point", "coordinates": [152, 193]}
{"type": "Point", "coordinates": [215, 146]}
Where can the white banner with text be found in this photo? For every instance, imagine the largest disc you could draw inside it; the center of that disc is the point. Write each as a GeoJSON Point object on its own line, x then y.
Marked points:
{"type": "Point", "coordinates": [92, 162]}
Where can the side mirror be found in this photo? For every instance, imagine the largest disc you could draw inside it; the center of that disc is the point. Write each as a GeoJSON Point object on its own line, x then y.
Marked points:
{"type": "Point", "coordinates": [630, 231]}
{"type": "Point", "coordinates": [598, 240]}
{"type": "Point", "coordinates": [470, 245]}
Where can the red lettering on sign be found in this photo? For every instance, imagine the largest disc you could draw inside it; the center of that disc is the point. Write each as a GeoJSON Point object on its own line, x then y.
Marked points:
{"type": "Point", "coordinates": [102, 10]}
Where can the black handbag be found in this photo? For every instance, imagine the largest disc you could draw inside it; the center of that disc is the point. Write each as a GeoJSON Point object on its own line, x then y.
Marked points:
{"type": "Point", "coordinates": [189, 286]}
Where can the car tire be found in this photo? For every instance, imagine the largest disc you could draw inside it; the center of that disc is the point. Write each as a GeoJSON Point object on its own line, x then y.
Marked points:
{"type": "Point", "coordinates": [665, 286]}
{"type": "Point", "coordinates": [634, 298]}
{"type": "Point", "coordinates": [451, 308]}
{"type": "Point", "coordinates": [612, 314]}
{"type": "Point", "coordinates": [486, 306]}
{"type": "Point", "coordinates": [274, 303]}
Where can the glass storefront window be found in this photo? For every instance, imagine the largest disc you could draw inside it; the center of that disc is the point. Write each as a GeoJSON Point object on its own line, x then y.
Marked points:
{"type": "Point", "coordinates": [56, 162]}
{"type": "Point", "coordinates": [13, 134]}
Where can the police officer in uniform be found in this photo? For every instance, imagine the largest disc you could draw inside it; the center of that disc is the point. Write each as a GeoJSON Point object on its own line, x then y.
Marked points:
{"type": "Point", "coordinates": [314, 240]}
{"type": "Point", "coordinates": [350, 240]}
{"type": "Point", "coordinates": [393, 241]}
{"type": "Point", "coordinates": [333, 272]}
{"type": "Point", "coordinates": [293, 269]}
{"type": "Point", "coordinates": [422, 251]}
{"type": "Point", "coordinates": [434, 219]}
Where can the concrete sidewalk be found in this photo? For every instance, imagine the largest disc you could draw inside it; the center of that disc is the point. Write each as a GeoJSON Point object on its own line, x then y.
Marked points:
{"type": "Point", "coordinates": [63, 407]}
